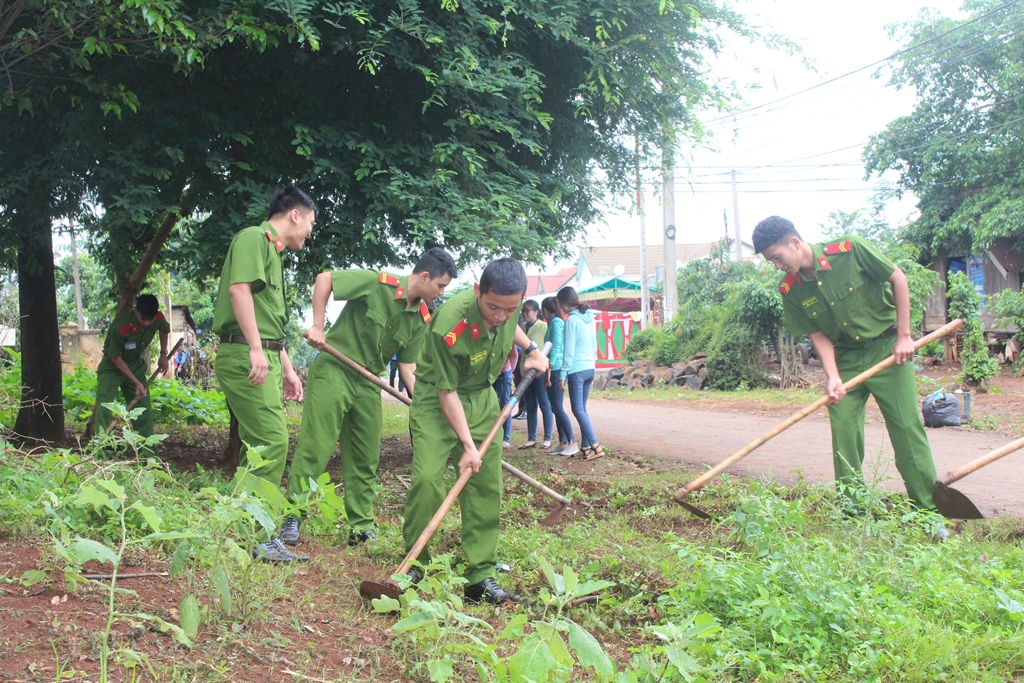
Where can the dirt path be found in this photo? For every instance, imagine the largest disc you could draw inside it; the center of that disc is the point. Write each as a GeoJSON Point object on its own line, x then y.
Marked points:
{"type": "Point", "coordinates": [699, 437]}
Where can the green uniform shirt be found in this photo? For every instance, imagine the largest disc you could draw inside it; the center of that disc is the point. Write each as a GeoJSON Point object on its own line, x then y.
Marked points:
{"type": "Point", "coordinates": [377, 321]}
{"type": "Point", "coordinates": [849, 298]}
{"type": "Point", "coordinates": [459, 352]}
{"type": "Point", "coordinates": [256, 255]}
{"type": "Point", "coordinates": [127, 339]}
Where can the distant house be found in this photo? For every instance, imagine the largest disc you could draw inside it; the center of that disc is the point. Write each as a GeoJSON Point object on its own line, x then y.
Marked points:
{"type": "Point", "coordinates": [597, 264]}
{"type": "Point", "coordinates": [996, 269]}
{"type": "Point", "coordinates": [540, 286]}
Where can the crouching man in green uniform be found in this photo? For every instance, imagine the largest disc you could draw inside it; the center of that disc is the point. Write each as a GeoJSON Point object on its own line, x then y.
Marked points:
{"type": "Point", "coordinates": [384, 315]}
{"type": "Point", "coordinates": [252, 364]}
{"type": "Point", "coordinates": [855, 306]}
{"type": "Point", "coordinates": [454, 407]}
{"type": "Point", "coordinates": [123, 367]}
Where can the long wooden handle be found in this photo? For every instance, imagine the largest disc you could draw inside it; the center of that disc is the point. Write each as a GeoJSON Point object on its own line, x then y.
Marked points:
{"type": "Point", "coordinates": [793, 419]}
{"type": "Point", "coordinates": [982, 461]}
{"type": "Point", "coordinates": [518, 474]}
{"type": "Point", "coordinates": [152, 378]}
{"type": "Point", "coordinates": [464, 476]}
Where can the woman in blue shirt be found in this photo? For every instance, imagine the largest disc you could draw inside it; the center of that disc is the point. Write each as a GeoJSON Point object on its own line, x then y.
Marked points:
{"type": "Point", "coordinates": [555, 379]}
{"type": "Point", "coordinates": [579, 360]}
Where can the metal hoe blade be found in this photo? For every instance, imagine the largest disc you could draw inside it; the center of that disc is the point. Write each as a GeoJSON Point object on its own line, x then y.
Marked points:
{"type": "Point", "coordinates": [693, 508]}
{"type": "Point", "coordinates": [952, 504]}
{"type": "Point", "coordinates": [372, 590]}
{"type": "Point", "coordinates": [555, 515]}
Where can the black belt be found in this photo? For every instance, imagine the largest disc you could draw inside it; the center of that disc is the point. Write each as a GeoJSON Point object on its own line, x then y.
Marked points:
{"type": "Point", "coordinates": [240, 339]}
{"type": "Point", "coordinates": [889, 332]}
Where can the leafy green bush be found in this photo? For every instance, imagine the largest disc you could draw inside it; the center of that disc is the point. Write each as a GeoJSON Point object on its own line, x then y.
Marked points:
{"type": "Point", "coordinates": [642, 344]}
{"type": "Point", "coordinates": [1009, 306]}
{"type": "Point", "coordinates": [730, 362]}
{"type": "Point", "coordinates": [173, 402]}
{"type": "Point", "coordinates": [964, 303]}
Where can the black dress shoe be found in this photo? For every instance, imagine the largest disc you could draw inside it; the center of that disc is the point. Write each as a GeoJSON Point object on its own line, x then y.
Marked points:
{"type": "Point", "coordinates": [361, 537]}
{"type": "Point", "coordinates": [489, 591]}
{"type": "Point", "coordinates": [415, 574]}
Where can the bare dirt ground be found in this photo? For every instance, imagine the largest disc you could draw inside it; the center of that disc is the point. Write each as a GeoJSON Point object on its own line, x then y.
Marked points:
{"type": "Point", "coordinates": [702, 436]}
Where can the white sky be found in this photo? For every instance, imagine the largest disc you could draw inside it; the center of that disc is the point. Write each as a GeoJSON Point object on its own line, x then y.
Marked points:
{"type": "Point", "coordinates": [800, 157]}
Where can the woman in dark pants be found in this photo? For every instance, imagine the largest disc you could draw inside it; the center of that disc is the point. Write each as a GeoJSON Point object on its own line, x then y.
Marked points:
{"type": "Point", "coordinates": [555, 382]}
{"type": "Point", "coordinates": [579, 361]}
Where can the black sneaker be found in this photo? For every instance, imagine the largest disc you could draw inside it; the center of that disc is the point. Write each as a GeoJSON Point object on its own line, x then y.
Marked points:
{"type": "Point", "coordinates": [360, 537]}
{"type": "Point", "coordinates": [290, 531]}
{"type": "Point", "coordinates": [275, 552]}
{"type": "Point", "coordinates": [415, 574]}
{"type": "Point", "coordinates": [489, 591]}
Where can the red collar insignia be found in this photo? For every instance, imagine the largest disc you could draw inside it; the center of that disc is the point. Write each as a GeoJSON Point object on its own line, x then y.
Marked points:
{"type": "Point", "coordinates": [128, 328]}
{"type": "Point", "coordinates": [399, 293]}
{"type": "Point", "coordinates": [424, 312]}
{"type": "Point", "coordinates": [787, 284]}
{"type": "Point", "coordinates": [276, 241]}
{"type": "Point", "coordinates": [823, 263]}
{"type": "Point", "coordinates": [456, 332]}
{"type": "Point", "coordinates": [386, 279]}
{"type": "Point", "coordinates": [474, 331]}
{"type": "Point", "coordinates": [838, 247]}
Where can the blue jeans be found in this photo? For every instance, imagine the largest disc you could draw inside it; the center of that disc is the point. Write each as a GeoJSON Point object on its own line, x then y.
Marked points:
{"type": "Point", "coordinates": [503, 388]}
{"type": "Point", "coordinates": [537, 395]}
{"type": "Point", "coordinates": [579, 390]}
{"type": "Point", "coordinates": [555, 396]}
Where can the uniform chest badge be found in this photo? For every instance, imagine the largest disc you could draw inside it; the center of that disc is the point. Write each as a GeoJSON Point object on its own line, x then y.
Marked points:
{"type": "Point", "coordinates": [276, 241]}
{"type": "Point", "coordinates": [478, 357]}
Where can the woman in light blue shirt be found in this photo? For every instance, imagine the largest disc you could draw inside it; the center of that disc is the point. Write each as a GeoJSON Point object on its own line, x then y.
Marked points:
{"type": "Point", "coordinates": [555, 381]}
{"type": "Point", "coordinates": [579, 360]}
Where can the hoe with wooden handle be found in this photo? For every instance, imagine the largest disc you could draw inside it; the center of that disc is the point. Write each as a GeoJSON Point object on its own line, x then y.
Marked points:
{"type": "Point", "coordinates": [954, 505]}
{"type": "Point", "coordinates": [375, 589]}
{"type": "Point", "coordinates": [682, 494]}
{"type": "Point", "coordinates": [552, 518]}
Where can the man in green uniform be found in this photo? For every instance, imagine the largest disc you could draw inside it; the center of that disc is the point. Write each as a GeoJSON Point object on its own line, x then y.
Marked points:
{"type": "Point", "coordinates": [855, 306]}
{"type": "Point", "coordinates": [252, 364]}
{"type": "Point", "coordinates": [454, 408]}
{"type": "Point", "coordinates": [384, 315]}
{"type": "Point", "coordinates": [123, 367]}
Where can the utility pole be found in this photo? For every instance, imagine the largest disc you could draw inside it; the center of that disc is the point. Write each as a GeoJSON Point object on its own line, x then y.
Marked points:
{"type": "Point", "coordinates": [669, 294]}
{"type": "Point", "coordinates": [645, 295]}
{"type": "Point", "coordinates": [76, 278]}
{"type": "Point", "coordinates": [736, 218]}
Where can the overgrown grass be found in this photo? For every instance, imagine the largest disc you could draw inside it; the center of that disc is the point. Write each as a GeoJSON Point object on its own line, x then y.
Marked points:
{"type": "Point", "coordinates": [629, 587]}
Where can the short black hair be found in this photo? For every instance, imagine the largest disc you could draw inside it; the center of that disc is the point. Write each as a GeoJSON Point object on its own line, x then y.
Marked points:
{"type": "Point", "coordinates": [503, 276]}
{"type": "Point", "coordinates": [437, 262]}
{"type": "Point", "coordinates": [772, 230]}
{"type": "Point", "coordinates": [531, 305]}
{"type": "Point", "coordinates": [147, 306]}
{"type": "Point", "coordinates": [288, 198]}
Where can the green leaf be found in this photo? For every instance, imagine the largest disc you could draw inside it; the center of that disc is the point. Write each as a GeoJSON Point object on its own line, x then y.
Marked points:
{"type": "Point", "coordinates": [182, 554]}
{"type": "Point", "coordinates": [440, 670]}
{"type": "Point", "coordinates": [515, 628]}
{"type": "Point", "coordinates": [90, 495]}
{"type": "Point", "coordinates": [150, 514]}
{"type": "Point", "coordinates": [385, 605]}
{"type": "Point", "coordinates": [414, 621]}
{"type": "Point", "coordinates": [558, 649]}
{"type": "Point", "coordinates": [590, 652]}
{"type": "Point", "coordinates": [223, 588]}
{"type": "Point", "coordinates": [116, 489]}
{"type": "Point", "coordinates": [532, 661]}
{"type": "Point", "coordinates": [190, 615]}
{"type": "Point", "coordinates": [84, 549]}
{"type": "Point", "coordinates": [32, 577]}
{"type": "Point", "coordinates": [588, 587]}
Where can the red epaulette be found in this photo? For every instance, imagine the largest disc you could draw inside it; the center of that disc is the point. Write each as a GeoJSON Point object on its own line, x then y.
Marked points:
{"type": "Point", "coordinates": [276, 241]}
{"type": "Point", "coordinates": [838, 247]}
{"type": "Point", "coordinates": [456, 332]}
{"type": "Point", "coordinates": [159, 315]}
{"type": "Point", "coordinates": [128, 328]}
{"type": "Point", "coordinates": [386, 279]}
{"type": "Point", "coordinates": [424, 312]}
{"type": "Point", "coordinates": [787, 284]}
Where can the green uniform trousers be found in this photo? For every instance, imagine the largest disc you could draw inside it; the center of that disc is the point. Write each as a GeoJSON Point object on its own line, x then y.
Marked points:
{"type": "Point", "coordinates": [259, 409]}
{"type": "Point", "coordinates": [434, 442]}
{"type": "Point", "coordinates": [340, 405]}
{"type": "Point", "coordinates": [108, 384]}
{"type": "Point", "coordinates": [895, 392]}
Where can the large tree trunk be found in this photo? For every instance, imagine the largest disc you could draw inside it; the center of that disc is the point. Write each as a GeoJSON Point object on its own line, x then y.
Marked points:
{"type": "Point", "coordinates": [41, 417]}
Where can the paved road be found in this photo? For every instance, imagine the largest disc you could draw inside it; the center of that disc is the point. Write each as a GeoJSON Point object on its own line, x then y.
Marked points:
{"type": "Point", "coordinates": [699, 436]}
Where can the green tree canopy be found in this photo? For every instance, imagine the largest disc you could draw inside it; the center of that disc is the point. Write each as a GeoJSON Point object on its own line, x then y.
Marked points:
{"type": "Point", "coordinates": [961, 151]}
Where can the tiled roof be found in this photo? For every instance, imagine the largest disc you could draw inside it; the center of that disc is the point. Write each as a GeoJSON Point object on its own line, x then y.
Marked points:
{"type": "Point", "coordinates": [548, 284]}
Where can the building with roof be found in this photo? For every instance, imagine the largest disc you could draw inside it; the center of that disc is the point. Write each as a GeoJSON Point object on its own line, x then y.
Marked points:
{"type": "Point", "coordinates": [544, 285]}
{"type": "Point", "coordinates": [598, 264]}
